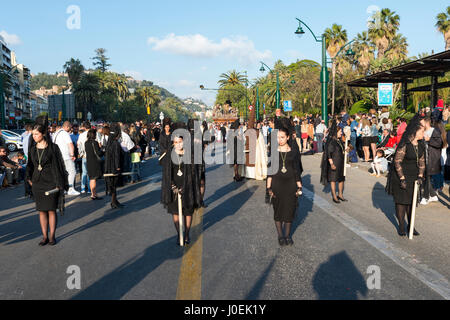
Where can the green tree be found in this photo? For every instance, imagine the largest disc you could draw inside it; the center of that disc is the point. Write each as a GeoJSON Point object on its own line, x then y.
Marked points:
{"type": "Point", "coordinates": [100, 60]}
{"type": "Point", "coordinates": [87, 92]}
{"type": "Point", "coordinates": [74, 69]}
{"type": "Point", "coordinates": [364, 51]}
{"type": "Point", "coordinates": [383, 28]}
{"type": "Point", "coordinates": [335, 38]}
{"type": "Point", "coordinates": [443, 25]}
{"type": "Point", "coordinates": [232, 78]}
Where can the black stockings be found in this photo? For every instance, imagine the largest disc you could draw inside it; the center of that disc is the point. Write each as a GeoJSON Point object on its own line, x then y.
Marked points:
{"type": "Point", "coordinates": [287, 229]}
{"type": "Point", "coordinates": [402, 210]}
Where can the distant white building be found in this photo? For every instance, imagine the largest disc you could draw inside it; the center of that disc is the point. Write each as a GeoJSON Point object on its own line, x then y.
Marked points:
{"type": "Point", "coordinates": [39, 105]}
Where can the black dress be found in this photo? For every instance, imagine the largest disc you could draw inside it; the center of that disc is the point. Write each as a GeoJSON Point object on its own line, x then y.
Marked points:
{"type": "Point", "coordinates": [334, 149]}
{"type": "Point", "coordinates": [165, 142]}
{"type": "Point", "coordinates": [179, 182]}
{"type": "Point", "coordinates": [93, 159]}
{"type": "Point", "coordinates": [44, 180]}
{"type": "Point", "coordinates": [114, 158]}
{"type": "Point", "coordinates": [409, 162]}
{"type": "Point", "coordinates": [284, 187]}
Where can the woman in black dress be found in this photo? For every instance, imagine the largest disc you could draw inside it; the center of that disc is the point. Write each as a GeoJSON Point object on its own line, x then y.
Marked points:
{"type": "Point", "coordinates": [284, 187]}
{"type": "Point", "coordinates": [45, 172]}
{"type": "Point", "coordinates": [182, 181]}
{"type": "Point", "coordinates": [332, 168]}
{"type": "Point", "coordinates": [165, 142]}
{"type": "Point", "coordinates": [409, 166]}
{"type": "Point", "coordinates": [114, 158]}
{"type": "Point", "coordinates": [94, 156]}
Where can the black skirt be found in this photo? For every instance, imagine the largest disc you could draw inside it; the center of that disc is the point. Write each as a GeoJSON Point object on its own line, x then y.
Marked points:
{"type": "Point", "coordinates": [366, 141]}
{"type": "Point", "coordinates": [284, 187]}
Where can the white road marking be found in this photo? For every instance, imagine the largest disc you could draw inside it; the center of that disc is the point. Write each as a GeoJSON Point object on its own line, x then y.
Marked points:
{"type": "Point", "coordinates": [422, 272]}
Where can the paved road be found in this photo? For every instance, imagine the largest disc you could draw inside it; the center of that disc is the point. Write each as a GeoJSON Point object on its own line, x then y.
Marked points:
{"type": "Point", "coordinates": [131, 253]}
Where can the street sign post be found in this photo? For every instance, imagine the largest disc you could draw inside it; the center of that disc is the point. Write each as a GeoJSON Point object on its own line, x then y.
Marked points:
{"type": "Point", "coordinates": [385, 94]}
{"type": "Point", "coordinates": [288, 106]}
{"type": "Point", "coordinates": [161, 116]}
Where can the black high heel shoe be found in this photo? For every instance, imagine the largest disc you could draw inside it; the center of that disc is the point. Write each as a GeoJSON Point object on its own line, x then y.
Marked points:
{"type": "Point", "coordinates": [282, 242]}
{"type": "Point", "coordinates": [289, 241]}
{"type": "Point", "coordinates": [114, 206]}
{"type": "Point", "coordinates": [44, 242]}
{"type": "Point", "coordinates": [342, 199]}
{"type": "Point", "coordinates": [336, 201]}
{"type": "Point", "coordinates": [52, 242]}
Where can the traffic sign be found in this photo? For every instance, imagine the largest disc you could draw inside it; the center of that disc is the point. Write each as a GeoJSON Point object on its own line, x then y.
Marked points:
{"type": "Point", "coordinates": [148, 111]}
{"type": "Point", "coordinates": [287, 106]}
{"type": "Point", "coordinates": [250, 108]}
{"type": "Point", "coordinates": [385, 94]}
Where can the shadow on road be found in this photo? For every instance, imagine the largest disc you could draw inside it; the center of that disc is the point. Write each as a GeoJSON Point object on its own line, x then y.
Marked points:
{"type": "Point", "coordinates": [381, 200]}
{"type": "Point", "coordinates": [228, 207]}
{"type": "Point", "coordinates": [305, 205]}
{"type": "Point", "coordinates": [144, 201]}
{"type": "Point", "coordinates": [119, 282]}
{"type": "Point", "coordinates": [339, 279]}
{"type": "Point", "coordinates": [259, 285]}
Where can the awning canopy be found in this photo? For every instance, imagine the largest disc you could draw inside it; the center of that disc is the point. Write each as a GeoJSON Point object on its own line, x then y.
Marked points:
{"type": "Point", "coordinates": [432, 66]}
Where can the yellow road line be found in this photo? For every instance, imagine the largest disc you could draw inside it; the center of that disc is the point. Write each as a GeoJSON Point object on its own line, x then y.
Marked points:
{"type": "Point", "coordinates": [190, 280]}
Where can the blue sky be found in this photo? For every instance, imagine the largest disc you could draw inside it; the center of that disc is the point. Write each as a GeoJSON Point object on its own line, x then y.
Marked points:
{"type": "Point", "coordinates": [182, 44]}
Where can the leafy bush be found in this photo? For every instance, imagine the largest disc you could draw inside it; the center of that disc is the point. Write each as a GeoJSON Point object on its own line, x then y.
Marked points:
{"type": "Point", "coordinates": [362, 106]}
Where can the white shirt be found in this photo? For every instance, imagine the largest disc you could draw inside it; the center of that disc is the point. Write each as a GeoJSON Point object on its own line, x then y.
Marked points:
{"type": "Point", "coordinates": [320, 129]}
{"type": "Point", "coordinates": [126, 143]}
{"type": "Point", "coordinates": [62, 139]}
{"type": "Point", "coordinates": [80, 144]}
{"type": "Point", "coordinates": [382, 162]}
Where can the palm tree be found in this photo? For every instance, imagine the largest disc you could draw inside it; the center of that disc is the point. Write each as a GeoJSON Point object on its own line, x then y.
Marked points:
{"type": "Point", "coordinates": [118, 84]}
{"type": "Point", "coordinates": [74, 69]}
{"type": "Point", "coordinates": [232, 78]}
{"type": "Point", "coordinates": [364, 50]}
{"type": "Point", "coordinates": [335, 38]}
{"type": "Point", "coordinates": [149, 96]}
{"type": "Point", "coordinates": [86, 92]}
{"type": "Point", "coordinates": [383, 28]}
{"type": "Point", "coordinates": [443, 25]}
{"type": "Point", "coordinates": [398, 49]}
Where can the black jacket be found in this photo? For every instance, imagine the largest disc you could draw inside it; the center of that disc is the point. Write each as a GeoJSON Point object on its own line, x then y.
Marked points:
{"type": "Point", "coordinates": [434, 147]}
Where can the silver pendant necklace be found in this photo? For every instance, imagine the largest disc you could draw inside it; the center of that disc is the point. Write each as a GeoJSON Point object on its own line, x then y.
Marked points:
{"type": "Point", "coordinates": [40, 158]}
{"type": "Point", "coordinates": [284, 170]}
{"type": "Point", "coordinates": [180, 173]}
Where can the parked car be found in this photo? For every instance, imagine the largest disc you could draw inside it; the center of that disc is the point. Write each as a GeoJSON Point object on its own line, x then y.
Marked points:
{"type": "Point", "coordinates": [18, 131]}
{"type": "Point", "coordinates": [13, 140]}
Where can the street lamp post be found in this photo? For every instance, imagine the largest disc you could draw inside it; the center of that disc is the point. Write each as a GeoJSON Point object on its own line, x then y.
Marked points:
{"type": "Point", "coordinates": [324, 74]}
{"type": "Point", "coordinates": [2, 94]}
{"type": "Point", "coordinates": [278, 83]}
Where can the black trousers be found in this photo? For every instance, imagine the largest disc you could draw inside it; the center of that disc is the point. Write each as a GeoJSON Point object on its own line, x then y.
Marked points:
{"type": "Point", "coordinates": [12, 175]}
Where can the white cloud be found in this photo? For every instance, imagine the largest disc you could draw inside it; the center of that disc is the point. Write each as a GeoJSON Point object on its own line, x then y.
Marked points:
{"type": "Point", "coordinates": [199, 46]}
{"type": "Point", "coordinates": [10, 39]}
